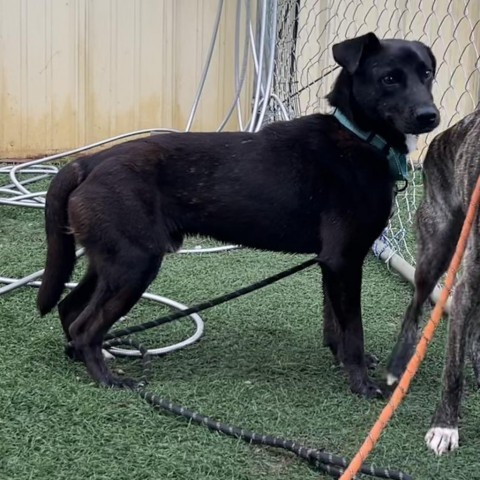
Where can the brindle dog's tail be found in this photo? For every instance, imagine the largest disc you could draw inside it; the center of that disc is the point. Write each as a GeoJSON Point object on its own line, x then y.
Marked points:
{"type": "Point", "coordinates": [60, 242]}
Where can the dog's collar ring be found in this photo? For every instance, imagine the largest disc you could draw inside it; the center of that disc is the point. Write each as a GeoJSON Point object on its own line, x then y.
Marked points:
{"type": "Point", "coordinates": [398, 189]}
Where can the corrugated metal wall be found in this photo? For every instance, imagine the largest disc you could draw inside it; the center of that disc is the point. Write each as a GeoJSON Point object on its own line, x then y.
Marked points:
{"type": "Point", "coordinates": [77, 71]}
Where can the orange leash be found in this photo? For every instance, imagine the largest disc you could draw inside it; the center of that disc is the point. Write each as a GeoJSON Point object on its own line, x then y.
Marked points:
{"type": "Point", "coordinates": [421, 350]}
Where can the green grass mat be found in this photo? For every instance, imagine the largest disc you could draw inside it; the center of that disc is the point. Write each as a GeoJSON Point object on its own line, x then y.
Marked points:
{"type": "Point", "coordinates": [260, 364]}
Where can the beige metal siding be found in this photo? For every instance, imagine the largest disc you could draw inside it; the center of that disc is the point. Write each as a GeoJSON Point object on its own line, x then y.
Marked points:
{"type": "Point", "coordinates": [78, 71]}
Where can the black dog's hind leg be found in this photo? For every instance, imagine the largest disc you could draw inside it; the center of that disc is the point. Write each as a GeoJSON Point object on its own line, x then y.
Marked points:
{"type": "Point", "coordinates": [443, 436]}
{"type": "Point", "coordinates": [343, 287]}
{"type": "Point", "coordinates": [73, 305]}
{"type": "Point", "coordinates": [437, 232]}
{"type": "Point", "coordinates": [121, 282]}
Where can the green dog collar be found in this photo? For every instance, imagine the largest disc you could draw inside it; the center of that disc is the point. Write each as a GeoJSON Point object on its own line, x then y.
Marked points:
{"type": "Point", "coordinates": [397, 161]}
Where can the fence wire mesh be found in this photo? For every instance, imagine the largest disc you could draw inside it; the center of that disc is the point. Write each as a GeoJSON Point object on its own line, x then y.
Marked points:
{"type": "Point", "coordinates": [304, 69]}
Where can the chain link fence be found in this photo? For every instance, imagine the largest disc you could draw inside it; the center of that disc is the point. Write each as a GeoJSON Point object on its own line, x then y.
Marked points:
{"type": "Point", "coordinates": [305, 69]}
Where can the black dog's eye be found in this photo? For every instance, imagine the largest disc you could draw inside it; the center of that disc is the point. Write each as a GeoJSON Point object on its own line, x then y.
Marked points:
{"type": "Point", "coordinates": [389, 80]}
{"type": "Point", "coordinates": [427, 74]}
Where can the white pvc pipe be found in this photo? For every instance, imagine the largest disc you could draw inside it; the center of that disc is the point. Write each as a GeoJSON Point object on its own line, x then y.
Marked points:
{"type": "Point", "coordinates": [401, 266]}
{"type": "Point", "coordinates": [13, 283]}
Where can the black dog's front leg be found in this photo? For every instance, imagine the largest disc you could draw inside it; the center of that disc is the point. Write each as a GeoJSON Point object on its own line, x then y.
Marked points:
{"type": "Point", "coordinates": [332, 335]}
{"type": "Point", "coordinates": [331, 329]}
{"type": "Point", "coordinates": [343, 287]}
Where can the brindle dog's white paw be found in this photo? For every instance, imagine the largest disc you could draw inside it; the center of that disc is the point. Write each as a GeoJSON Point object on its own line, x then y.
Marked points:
{"type": "Point", "coordinates": [442, 440]}
{"type": "Point", "coordinates": [391, 379]}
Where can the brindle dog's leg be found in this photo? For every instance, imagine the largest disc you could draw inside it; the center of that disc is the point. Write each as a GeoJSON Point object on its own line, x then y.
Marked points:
{"type": "Point", "coordinates": [474, 343]}
{"type": "Point", "coordinates": [121, 282]}
{"type": "Point", "coordinates": [437, 230]}
{"type": "Point", "coordinates": [343, 288]}
{"type": "Point", "coordinates": [443, 436]}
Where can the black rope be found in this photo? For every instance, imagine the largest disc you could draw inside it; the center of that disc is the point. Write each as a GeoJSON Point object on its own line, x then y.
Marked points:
{"type": "Point", "coordinates": [313, 82]}
{"type": "Point", "coordinates": [328, 463]}
{"type": "Point", "coordinates": [333, 465]}
{"type": "Point", "coordinates": [211, 303]}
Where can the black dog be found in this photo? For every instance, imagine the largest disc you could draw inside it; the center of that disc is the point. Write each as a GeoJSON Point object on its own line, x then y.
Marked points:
{"type": "Point", "coordinates": [309, 185]}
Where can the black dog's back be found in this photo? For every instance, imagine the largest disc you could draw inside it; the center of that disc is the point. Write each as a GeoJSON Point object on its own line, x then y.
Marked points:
{"type": "Point", "coordinates": [266, 190]}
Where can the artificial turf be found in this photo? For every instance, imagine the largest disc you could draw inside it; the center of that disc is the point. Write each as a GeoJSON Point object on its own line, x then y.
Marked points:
{"type": "Point", "coordinates": [260, 365]}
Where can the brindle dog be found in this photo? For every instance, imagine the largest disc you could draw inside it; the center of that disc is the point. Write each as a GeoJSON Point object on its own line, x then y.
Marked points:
{"type": "Point", "coordinates": [308, 185]}
{"type": "Point", "coordinates": [451, 169]}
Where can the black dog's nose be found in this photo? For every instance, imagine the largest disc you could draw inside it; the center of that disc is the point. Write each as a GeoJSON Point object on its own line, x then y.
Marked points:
{"type": "Point", "coordinates": [426, 116]}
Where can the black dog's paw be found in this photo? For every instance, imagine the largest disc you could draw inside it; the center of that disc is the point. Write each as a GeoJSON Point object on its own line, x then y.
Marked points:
{"type": "Point", "coordinates": [74, 354]}
{"type": "Point", "coordinates": [371, 361]}
{"type": "Point", "coordinates": [114, 381]}
{"type": "Point", "coordinates": [368, 389]}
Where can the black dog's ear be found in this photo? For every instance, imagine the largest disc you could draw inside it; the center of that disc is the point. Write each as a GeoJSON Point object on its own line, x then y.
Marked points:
{"type": "Point", "coordinates": [349, 52]}
{"type": "Point", "coordinates": [432, 58]}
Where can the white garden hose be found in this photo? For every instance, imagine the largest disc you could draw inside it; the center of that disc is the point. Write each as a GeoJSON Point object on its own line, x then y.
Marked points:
{"type": "Point", "coordinates": [17, 191]}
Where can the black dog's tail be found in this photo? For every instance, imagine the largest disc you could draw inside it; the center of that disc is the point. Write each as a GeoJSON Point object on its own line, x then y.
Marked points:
{"type": "Point", "coordinates": [60, 242]}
